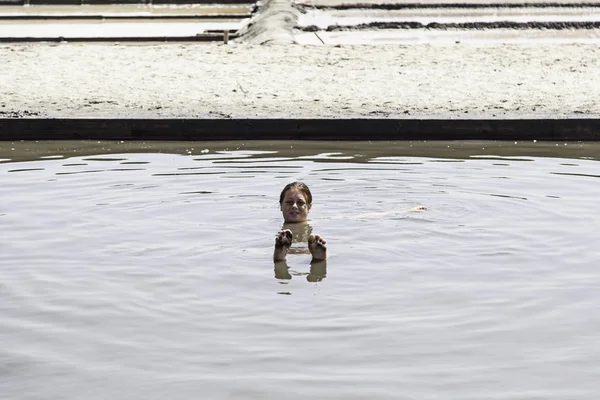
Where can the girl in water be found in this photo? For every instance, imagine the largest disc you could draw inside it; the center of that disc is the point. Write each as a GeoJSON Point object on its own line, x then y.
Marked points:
{"type": "Point", "coordinates": [295, 202]}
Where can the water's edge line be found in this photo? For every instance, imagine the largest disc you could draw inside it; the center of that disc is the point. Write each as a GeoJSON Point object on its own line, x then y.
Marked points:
{"type": "Point", "coordinates": [568, 129]}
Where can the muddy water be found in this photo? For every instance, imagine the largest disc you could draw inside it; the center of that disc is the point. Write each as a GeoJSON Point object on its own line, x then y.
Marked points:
{"type": "Point", "coordinates": [143, 271]}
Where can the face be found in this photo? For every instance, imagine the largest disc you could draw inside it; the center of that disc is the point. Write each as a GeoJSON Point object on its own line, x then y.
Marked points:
{"type": "Point", "coordinates": [294, 207]}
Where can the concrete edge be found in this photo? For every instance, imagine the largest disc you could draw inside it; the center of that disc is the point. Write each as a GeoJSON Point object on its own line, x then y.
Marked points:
{"type": "Point", "coordinates": [585, 129]}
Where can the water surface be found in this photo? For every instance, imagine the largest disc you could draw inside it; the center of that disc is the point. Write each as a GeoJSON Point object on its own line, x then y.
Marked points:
{"type": "Point", "coordinates": [144, 271]}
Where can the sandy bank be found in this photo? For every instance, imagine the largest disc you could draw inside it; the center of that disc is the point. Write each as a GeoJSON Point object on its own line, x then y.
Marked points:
{"type": "Point", "coordinates": [245, 81]}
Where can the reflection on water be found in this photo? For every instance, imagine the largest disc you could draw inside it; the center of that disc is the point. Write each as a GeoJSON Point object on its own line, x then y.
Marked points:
{"type": "Point", "coordinates": [317, 272]}
{"type": "Point", "coordinates": [156, 279]}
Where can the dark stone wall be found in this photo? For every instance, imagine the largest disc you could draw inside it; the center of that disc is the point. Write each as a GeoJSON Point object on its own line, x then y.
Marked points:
{"type": "Point", "coordinates": [26, 128]}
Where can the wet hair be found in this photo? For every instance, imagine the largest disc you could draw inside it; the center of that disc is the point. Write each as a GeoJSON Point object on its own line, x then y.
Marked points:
{"type": "Point", "coordinates": [301, 186]}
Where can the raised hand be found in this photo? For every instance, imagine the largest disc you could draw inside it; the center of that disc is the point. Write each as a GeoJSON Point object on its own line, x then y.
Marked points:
{"type": "Point", "coordinates": [318, 248]}
{"type": "Point", "coordinates": [283, 241]}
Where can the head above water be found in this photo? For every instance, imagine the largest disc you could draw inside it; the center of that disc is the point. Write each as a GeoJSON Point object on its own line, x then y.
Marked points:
{"type": "Point", "coordinates": [295, 202]}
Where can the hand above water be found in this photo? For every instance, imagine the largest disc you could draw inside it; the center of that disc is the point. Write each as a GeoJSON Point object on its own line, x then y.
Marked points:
{"type": "Point", "coordinates": [317, 247]}
{"type": "Point", "coordinates": [283, 241]}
